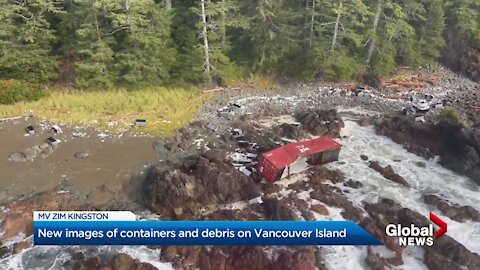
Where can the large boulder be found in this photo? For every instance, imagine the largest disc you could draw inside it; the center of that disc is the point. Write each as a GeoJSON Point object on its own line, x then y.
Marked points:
{"type": "Point", "coordinates": [123, 261]}
{"type": "Point", "coordinates": [216, 258]}
{"type": "Point", "coordinates": [18, 216]}
{"type": "Point", "coordinates": [321, 122]}
{"type": "Point", "coordinates": [31, 153]}
{"type": "Point", "coordinates": [389, 173]}
{"type": "Point", "coordinates": [238, 258]}
{"type": "Point", "coordinates": [453, 210]}
{"type": "Point", "coordinates": [278, 210]}
{"type": "Point", "coordinates": [119, 261]}
{"type": "Point", "coordinates": [171, 189]}
{"type": "Point", "coordinates": [458, 146]}
{"type": "Point", "coordinates": [446, 253]}
{"type": "Point", "coordinates": [301, 259]}
{"type": "Point", "coordinates": [88, 264]}
{"type": "Point", "coordinates": [289, 131]}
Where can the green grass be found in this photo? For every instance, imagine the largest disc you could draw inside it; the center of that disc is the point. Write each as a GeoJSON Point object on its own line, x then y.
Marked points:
{"type": "Point", "coordinates": [165, 110]}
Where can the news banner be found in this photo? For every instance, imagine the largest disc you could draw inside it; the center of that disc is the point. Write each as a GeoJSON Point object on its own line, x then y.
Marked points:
{"type": "Point", "coordinates": [123, 228]}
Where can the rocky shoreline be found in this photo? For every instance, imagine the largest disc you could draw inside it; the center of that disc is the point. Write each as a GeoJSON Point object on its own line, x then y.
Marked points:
{"type": "Point", "coordinates": [457, 145]}
{"type": "Point", "coordinates": [195, 180]}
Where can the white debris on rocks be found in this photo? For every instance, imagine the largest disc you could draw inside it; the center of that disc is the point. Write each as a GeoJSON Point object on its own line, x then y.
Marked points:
{"type": "Point", "coordinates": [57, 129]}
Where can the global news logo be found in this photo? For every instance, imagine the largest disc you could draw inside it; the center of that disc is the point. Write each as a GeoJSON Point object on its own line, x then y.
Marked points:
{"type": "Point", "coordinates": [414, 235]}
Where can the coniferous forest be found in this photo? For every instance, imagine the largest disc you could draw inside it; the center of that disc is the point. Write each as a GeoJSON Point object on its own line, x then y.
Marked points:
{"type": "Point", "coordinates": [130, 43]}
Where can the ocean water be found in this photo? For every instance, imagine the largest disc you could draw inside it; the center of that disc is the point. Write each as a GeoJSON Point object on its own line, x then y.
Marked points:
{"type": "Point", "coordinates": [434, 179]}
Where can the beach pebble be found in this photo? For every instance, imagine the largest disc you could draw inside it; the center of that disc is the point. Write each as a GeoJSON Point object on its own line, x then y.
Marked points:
{"type": "Point", "coordinates": [82, 155]}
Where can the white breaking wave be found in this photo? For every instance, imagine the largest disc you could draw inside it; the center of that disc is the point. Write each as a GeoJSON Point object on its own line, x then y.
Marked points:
{"type": "Point", "coordinates": [434, 179]}
{"type": "Point", "coordinates": [57, 257]}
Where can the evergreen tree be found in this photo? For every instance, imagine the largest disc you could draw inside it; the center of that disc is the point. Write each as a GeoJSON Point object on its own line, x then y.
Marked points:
{"type": "Point", "coordinates": [132, 43]}
{"type": "Point", "coordinates": [391, 36]}
{"type": "Point", "coordinates": [26, 39]}
{"type": "Point", "coordinates": [185, 38]}
{"type": "Point", "coordinates": [464, 15]}
{"type": "Point", "coordinates": [271, 33]}
{"type": "Point", "coordinates": [143, 54]}
{"type": "Point", "coordinates": [431, 31]}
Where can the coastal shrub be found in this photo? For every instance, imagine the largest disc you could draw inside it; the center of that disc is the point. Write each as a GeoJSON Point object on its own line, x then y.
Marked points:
{"type": "Point", "coordinates": [13, 91]}
{"type": "Point", "coordinates": [449, 114]}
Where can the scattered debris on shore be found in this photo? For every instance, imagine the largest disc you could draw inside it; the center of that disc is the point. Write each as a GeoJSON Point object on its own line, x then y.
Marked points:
{"type": "Point", "coordinates": [208, 171]}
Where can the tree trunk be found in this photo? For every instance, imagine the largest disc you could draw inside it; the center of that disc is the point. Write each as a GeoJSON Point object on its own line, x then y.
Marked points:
{"type": "Point", "coordinates": [224, 18]}
{"type": "Point", "coordinates": [168, 4]}
{"type": "Point", "coordinates": [312, 22]}
{"type": "Point", "coordinates": [373, 43]}
{"type": "Point", "coordinates": [126, 7]}
{"type": "Point", "coordinates": [337, 22]}
{"type": "Point", "coordinates": [97, 27]}
{"type": "Point", "coordinates": [205, 44]}
{"type": "Point", "coordinates": [307, 13]}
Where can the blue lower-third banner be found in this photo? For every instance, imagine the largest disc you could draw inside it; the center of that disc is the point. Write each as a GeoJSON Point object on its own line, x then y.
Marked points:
{"type": "Point", "coordinates": [184, 233]}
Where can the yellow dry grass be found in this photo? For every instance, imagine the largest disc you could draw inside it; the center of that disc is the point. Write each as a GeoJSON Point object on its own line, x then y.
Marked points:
{"type": "Point", "coordinates": [165, 110]}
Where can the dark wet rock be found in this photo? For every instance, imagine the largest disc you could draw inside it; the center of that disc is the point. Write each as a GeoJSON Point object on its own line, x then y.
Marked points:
{"type": "Point", "coordinates": [321, 122]}
{"type": "Point", "coordinates": [288, 131]}
{"type": "Point", "coordinates": [91, 263]}
{"type": "Point", "coordinates": [216, 258]}
{"type": "Point", "coordinates": [452, 210]}
{"type": "Point", "coordinates": [389, 173]}
{"type": "Point", "coordinates": [297, 202]}
{"type": "Point", "coordinates": [418, 150]}
{"type": "Point", "coordinates": [31, 153]}
{"type": "Point", "coordinates": [421, 164]}
{"type": "Point", "coordinates": [17, 157]}
{"type": "Point", "coordinates": [457, 145]}
{"type": "Point", "coordinates": [215, 155]}
{"type": "Point", "coordinates": [82, 155]}
{"type": "Point", "coordinates": [123, 261]}
{"type": "Point", "coordinates": [4, 251]}
{"type": "Point", "coordinates": [375, 261]}
{"type": "Point", "coordinates": [18, 217]}
{"type": "Point", "coordinates": [20, 246]}
{"type": "Point", "coordinates": [269, 188]}
{"type": "Point", "coordinates": [298, 186]}
{"type": "Point", "coordinates": [197, 183]}
{"type": "Point", "coordinates": [321, 190]}
{"type": "Point", "coordinates": [321, 209]}
{"type": "Point", "coordinates": [331, 199]}
{"type": "Point", "coordinates": [379, 216]}
{"type": "Point", "coordinates": [353, 184]}
{"type": "Point", "coordinates": [119, 261]}
{"type": "Point", "coordinates": [161, 148]}
{"type": "Point", "coordinates": [320, 174]}
{"type": "Point", "coordinates": [307, 215]}
{"type": "Point", "coordinates": [241, 258]}
{"type": "Point", "coordinates": [446, 253]}
{"type": "Point", "coordinates": [302, 259]}
{"type": "Point", "coordinates": [252, 213]}
{"type": "Point", "coordinates": [364, 157]}
{"type": "Point", "coordinates": [364, 122]}
{"type": "Point", "coordinates": [278, 210]}
{"type": "Point", "coordinates": [351, 212]}
{"type": "Point", "coordinates": [170, 146]}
